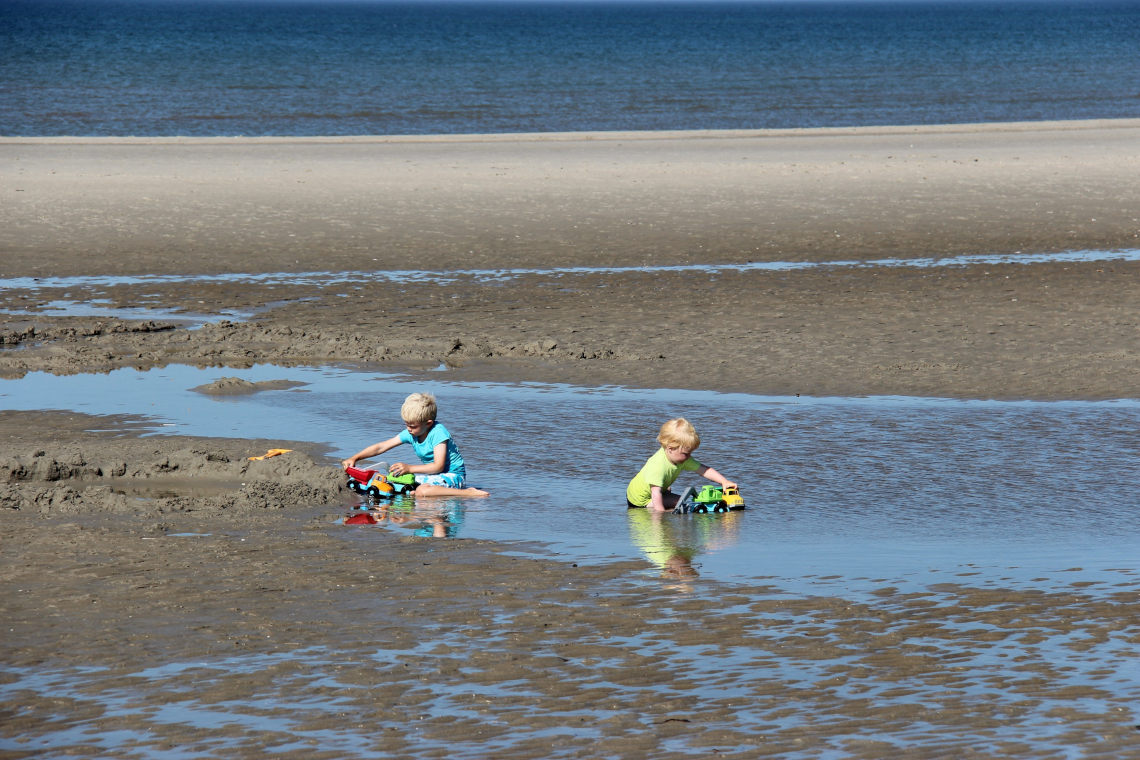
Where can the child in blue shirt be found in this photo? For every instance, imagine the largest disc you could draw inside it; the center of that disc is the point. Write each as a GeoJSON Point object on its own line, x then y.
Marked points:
{"type": "Point", "coordinates": [441, 471]}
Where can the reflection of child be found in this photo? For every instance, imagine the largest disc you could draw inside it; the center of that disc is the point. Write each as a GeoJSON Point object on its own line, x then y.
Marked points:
{"type": "Point", "coordinates": [441, 471]}
{"type": "Point", "coordinates": [443, 524]}
{"type": "Point", "coordinates": [673, 545]}
{"type": "Point", "coordinates": [653, 534]}
{"type": "Point", "coordinates": [650, 487]}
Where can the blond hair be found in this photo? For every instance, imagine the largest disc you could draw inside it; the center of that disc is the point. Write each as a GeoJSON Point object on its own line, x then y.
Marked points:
{"type": "Point", "coordinates": [679, 433]}
{"type": "Point", "coordinates": [419, 408]}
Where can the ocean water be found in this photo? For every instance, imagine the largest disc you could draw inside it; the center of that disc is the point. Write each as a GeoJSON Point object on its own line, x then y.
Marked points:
{"type": "Point", "coordinates": [301, 67]}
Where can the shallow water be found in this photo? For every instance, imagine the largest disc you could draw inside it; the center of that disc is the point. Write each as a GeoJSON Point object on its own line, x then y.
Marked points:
{"type": "Point", "coordinates": [314, 697]}
{"type": "Point", "coordinates": [103, 308]}
{"type": "Point", "coordinates": [500, 275]}
{"type": "Point", "coordinates": [850, 488]}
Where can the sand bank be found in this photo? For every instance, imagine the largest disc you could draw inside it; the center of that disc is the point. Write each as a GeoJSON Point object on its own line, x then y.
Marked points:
{"type": "Point", "coordinates": [134, 206]}
{"type": "Point", "coordinates": [239, 205]}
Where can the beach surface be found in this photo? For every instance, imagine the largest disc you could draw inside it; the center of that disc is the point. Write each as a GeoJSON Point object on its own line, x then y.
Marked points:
{"type": "Point", "coordinates": [208, 207]}
{"type": "Point", "coordinates": [98, 572]}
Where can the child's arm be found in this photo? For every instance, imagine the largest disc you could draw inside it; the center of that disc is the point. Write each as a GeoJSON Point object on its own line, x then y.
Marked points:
{"type": "Point", "coordinates": [656, 499]}
{"type": "Point", "coordinates": [371, 451]}
{"type": "Point", "coordinates": [430, 468]}
{"type": "Point", "coordinates": [714, 476]}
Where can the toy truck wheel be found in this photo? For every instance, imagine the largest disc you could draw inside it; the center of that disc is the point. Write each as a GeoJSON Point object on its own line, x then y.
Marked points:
{"type": "Point", "coordinates": [374, 492]}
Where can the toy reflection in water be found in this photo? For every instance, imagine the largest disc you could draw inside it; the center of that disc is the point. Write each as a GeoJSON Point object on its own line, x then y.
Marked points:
{"type": "Point", "coordinates": [431, 518]}
{"type": "Point", "coordinates": [673, 541]}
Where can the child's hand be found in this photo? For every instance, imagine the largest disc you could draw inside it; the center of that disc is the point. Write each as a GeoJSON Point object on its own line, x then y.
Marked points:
{"type": "Point", "coordinates": [347, 463]}
{"type": "Point", "coordinates": [729, 484]}
{"type": "Point", "coordinates": [399, 468]}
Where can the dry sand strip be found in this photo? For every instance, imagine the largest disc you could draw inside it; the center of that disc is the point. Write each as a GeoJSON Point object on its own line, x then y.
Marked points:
{"type": "Point", "coordinates": [135, 205]}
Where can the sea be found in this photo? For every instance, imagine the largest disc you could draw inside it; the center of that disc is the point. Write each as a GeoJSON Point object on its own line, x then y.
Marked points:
{"type": "Point", "coordinates": [396, 67]}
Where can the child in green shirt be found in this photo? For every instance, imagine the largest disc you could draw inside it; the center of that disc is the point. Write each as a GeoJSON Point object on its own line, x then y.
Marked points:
{"type": "Point", "coordinates": [650, 487]}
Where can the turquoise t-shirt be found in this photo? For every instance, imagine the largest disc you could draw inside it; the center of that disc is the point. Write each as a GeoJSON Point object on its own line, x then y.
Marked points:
{"type": "Point", "coordinates": [658, 471]}
{"type": "Point", "coordinates": [425, 450]}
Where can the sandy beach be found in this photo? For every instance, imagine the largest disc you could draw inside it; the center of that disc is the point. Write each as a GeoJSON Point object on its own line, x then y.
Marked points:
{"type": "Point", "coordinates": [85, 584]}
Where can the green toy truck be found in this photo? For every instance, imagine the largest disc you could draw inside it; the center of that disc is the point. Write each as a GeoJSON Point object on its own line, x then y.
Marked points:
{"type": "Point", "coordinates": [709, 498]}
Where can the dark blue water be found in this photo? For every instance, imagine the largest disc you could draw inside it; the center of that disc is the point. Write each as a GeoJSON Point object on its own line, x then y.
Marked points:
{"type": "Point", "coordinates": [259, 67]}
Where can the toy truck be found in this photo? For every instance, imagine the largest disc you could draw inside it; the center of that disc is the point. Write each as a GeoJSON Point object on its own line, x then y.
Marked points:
{"type": "Point", "coordinates": [709, 498]}
{"type": "Point", "coordinates": [379, 485]}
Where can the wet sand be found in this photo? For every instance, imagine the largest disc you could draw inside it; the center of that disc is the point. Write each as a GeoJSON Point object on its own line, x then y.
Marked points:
{"type": "Point", "coordinates": [492, 653]}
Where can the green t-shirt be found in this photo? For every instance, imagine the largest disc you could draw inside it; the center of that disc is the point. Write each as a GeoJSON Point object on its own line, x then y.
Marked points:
{"type": "Point", "coordinates": [658, 471]}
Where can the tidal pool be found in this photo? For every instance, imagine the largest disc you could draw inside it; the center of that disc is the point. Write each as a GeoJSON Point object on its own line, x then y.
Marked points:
{"type": "Point", "coordinates": [844, 488]}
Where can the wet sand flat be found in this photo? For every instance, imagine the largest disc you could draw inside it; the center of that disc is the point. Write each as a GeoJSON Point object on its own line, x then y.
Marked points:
{"type": "Point", "coordinates": [245, 621]}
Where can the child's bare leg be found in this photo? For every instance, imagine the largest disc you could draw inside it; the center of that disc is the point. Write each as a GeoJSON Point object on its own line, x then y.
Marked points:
{"type": "Point", "coordinates": [429, 490]}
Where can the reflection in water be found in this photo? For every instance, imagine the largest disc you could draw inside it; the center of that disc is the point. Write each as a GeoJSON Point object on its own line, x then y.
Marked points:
{"type": "Point", "coordinates": [672, 541]}
{"type": "Point", "coordinates": [430, 518]}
